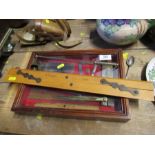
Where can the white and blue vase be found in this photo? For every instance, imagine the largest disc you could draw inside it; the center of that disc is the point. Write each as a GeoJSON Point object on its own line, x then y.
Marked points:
{"type": "Point", "coordinates": [122, 31]}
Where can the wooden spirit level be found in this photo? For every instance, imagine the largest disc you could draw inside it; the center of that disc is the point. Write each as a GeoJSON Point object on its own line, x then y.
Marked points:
{"type": "Point", "coordinates": [98, 85]}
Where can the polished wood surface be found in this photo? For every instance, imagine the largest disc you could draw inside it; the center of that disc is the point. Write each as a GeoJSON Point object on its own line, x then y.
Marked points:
{"type": "Point", "coordinates": [67, 106]}
{"type": "Point", "coordinates": [83, 83]}
{"type": "Point", "coordinates": [142, 112]}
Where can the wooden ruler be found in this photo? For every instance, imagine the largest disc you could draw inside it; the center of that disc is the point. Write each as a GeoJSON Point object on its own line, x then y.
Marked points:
{"type": "Point", "coordinates": [98, 85]}
{"type": "Point", "coordinates": [66, 106]}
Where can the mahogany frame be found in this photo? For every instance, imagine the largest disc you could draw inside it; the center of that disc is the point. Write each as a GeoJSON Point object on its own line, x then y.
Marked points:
{"type": "Point", "coordinates": [82, 114]}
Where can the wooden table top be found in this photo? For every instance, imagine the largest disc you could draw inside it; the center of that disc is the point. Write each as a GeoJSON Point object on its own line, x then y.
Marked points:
{"type": "Point", "coordinates": [142, 112]}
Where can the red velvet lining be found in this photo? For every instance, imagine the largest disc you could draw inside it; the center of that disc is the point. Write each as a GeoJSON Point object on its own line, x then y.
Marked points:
{"type": "Point", "coordinates": [30, 102]}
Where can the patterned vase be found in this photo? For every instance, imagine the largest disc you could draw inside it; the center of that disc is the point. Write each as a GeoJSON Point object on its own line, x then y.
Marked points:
{"type": "Point", "coordinates": [122, 31]}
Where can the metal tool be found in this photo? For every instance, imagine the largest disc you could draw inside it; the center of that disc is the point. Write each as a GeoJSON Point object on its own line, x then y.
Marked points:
{"type": "Point", "coordinates": [94, 70]}
{"type": "Point", "coordinates": [130, 61]}
{"type": "Point", "coordinates": [81, 62]}
{"type": "Point", "coordinates": [50, 57]}
{"type": "Point", "coordinates": [106, 63]}
{"type": "Point", "coordinates": [95, 63]}
{"type": "Point", "coordinates": [79, 98]}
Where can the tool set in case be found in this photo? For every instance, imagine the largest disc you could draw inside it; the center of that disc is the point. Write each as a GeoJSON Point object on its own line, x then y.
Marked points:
{"type": "Point", "coordinates": [69, 103]}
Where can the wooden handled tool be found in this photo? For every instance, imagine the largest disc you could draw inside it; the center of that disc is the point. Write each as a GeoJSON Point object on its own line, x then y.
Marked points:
{"type": "Point", "coordinates": [98, 85]}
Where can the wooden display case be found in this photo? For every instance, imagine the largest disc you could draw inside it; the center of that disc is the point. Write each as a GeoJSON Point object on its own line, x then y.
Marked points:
{"type": "Point", "coordinates": [74, 62]}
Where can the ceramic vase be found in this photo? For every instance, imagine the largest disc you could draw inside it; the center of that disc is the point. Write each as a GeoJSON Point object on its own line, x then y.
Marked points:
{"type": "Point", "coordinates": [122, 31]}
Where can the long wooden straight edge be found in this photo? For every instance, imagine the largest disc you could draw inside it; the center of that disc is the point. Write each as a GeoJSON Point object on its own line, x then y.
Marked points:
{"type": "Point", "coordinates": [98, 85]}
{"type": "Point", "coordinates": [66, 106]}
